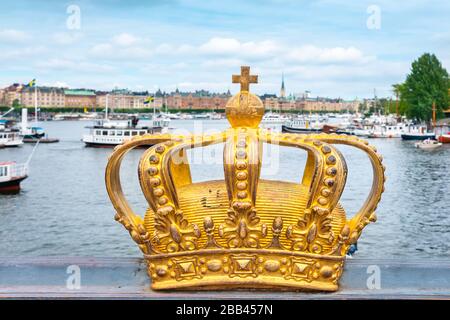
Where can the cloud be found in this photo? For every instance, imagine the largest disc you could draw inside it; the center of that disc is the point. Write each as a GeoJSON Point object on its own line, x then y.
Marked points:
{"type": "Point", "coordinates": [13, 36]}
{"type": "Point", "coordinates": [314, 54]}
{"type": "Point", "coordinates": [226, 63]}
{"type": "Point", "coordinates": [123, 46]}
{"type": "Point", "coordinates": [125, 39]}
{"type": "Point", "coordinates": [66, 38]}
{"type": "Point", "coordinates": [232, 46]}
{"type": "Point", "coordinates": [57, 84]}
{"type": "Point", "coordinates": [22, 53]}
{"type": "Point", "coordinates": [228, 50]}
{"type": "Point", "coordinates": [57, 64]}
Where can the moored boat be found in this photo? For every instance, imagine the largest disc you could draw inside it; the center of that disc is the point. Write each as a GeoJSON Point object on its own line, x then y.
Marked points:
{"type": "Point", "coordinates": [389, 131]}
{"type": "Point", "coordinates": [9, 137]}
{"type": "Point", "coordinates": [418, 136]}
{"type": "Point", "coordinates": [27, 132]}
{"type": "Point", "coordinates": [444, 138]}
{"type": "Point", "coordinates": [110, 134]}
{"type": "Point", "coordinates": [11, 175]}
{"type": "Point", "coordinates": [428, 144]}
{"type": "Point", "coordinates": [289, 129]}
{"type": "Point", "coordinates": [418, 133]}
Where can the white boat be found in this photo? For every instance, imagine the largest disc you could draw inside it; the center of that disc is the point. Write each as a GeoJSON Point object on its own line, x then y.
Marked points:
{"type": "Point", "coordinates": [9, 137]}
{"type": "Point", "coordinates": [273, 121]}
{"type": "Point", "coordinates": [389, 131]}
{"type": "Point", "coordinates": [110, 134]}
{"type": "Point", "coordinates": [215, 116]}
{"type": "Point", "coordinates": [11, 175]}
{"type": "Point", "coordinates": [105, 133]}
{"type": "Point", "coordinates": [27, 132]}
{"type": "Point", "coordinates": [303, 125]}
{"type": "Point", "coordinates": [360, 132]}
{"type": "Point", "coordinates": [428, 144]}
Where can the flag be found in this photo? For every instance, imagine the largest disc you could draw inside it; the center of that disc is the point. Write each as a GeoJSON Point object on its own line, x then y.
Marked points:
{"type": "Point", "coordinates": [148, 100]}
{"type": "Point", "coordinates": [32, 83]}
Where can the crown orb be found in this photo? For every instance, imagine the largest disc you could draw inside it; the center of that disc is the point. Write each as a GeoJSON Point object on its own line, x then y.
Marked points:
{"type": "Point", "coordinates": [244, 110]}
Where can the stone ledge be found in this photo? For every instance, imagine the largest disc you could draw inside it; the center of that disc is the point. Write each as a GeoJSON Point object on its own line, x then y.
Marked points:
{"type": "Point", "coordinates": [126, 278]}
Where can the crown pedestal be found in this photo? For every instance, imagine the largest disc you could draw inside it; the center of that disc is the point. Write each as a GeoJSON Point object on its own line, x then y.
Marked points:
{"type": "Point", "coordinates": [243, 232]}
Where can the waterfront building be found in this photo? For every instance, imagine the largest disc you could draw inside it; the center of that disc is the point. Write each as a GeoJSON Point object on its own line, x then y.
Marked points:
{"type": "Point", "coordinates": [10, 94]}
{"type": "Point", "coordinates": [80, 98]}
{"type": "Point", "coordinates": [122, 99]}
{"type": "Point", "coordinates": [176, 100]}
{"type": "Point", "coordinates": [198, 100]}
{"type": "Point", "coordinates": [2, 97]}
{"type": "Point", "coordinates": [47, 97]}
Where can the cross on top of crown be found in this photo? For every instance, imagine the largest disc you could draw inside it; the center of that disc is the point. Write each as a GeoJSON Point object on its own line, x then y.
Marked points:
{"type": "Point", "coordinates": [245, 78]}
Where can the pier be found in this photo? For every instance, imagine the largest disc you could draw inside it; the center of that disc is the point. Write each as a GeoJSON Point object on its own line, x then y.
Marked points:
{"type": "Point", "coordinates": [126, 278]}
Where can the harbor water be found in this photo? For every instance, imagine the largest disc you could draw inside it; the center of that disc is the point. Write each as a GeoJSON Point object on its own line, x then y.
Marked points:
{"type": "Point", "coordinates": [63, 208]}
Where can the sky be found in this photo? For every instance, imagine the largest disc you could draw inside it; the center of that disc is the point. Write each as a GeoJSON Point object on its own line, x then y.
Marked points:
{"type": "Point", "coordinates": [332, 48]}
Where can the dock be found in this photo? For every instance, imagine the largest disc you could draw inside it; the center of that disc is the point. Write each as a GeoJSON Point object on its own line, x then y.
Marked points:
{"type": "Point", "coordinates": [126, 278]}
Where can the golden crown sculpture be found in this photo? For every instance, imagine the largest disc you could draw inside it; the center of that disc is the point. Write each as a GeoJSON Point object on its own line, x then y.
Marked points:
{"type": "Point", "coordinates": [243, 232]}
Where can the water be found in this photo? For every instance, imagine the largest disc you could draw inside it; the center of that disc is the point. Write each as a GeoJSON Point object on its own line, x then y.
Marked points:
{"type": "Point", "coordinates": [63, 208]}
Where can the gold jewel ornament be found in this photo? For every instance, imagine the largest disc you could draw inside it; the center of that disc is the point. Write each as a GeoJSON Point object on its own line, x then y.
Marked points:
{"type": "Point", "coordinates": [243, 231]}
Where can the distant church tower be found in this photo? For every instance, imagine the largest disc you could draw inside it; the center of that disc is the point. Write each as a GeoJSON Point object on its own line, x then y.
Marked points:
{"type": "Point", "coordinates": [283, 90]}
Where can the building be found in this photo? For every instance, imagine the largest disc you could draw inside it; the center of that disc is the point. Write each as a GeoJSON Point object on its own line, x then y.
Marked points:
{"type": "Point", "coordinates": [47, 97]}
{"type": "Point", "coordinates": [177, 100]}
{"type": "Point", "coordinates": [283, 89]}
{"type": "Point", "coordinates": [122, 99]}
{"type": "Point", "coordinates": [198, 100]}
{"type": "Point", "coordinates": [80, 98]}
{"type": "Point", "coordinates": [10, 94]}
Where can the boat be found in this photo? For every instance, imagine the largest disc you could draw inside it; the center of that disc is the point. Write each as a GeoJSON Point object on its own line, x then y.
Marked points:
{"type": "Point", "coordinates": [27, 132]}
{"type": "Point", "coordinates": [273, 121]}
{"type": "Point", "coordinates": [302, 125]}
{"type": "Point", "coordinates": [314, 125]}
{"type": "Point", "coordinates": [11, 175]}
{"type": "Point", "coordinates": [428, 144]}
{"type": "Point", "coordinates": [389, 131]}
{"type": "Point", "coordinates": [110, 134]}
{"type": "Point", "coordinates": [9, 137]}
{"type": "Point", "coordinates": [418, 133]}
{"type": "Point", "coordinates": [418, 136]}
{"type": "Point", "coordinates": [105, 133]}
{"type": "Point", "coordinates": [444, 138]}
{"type": "Point", "coordinates": [358, 131]}
{"type": "Point", "coordinates": [215, 116]}
{"type": "Point", "coordinates": [289, 129]}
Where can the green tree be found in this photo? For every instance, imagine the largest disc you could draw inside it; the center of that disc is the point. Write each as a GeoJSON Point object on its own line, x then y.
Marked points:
{"type": "Point", "coordinates": [399, 92]}
{"type": "Point", "coordinates": [16, 104]}
{"type": "Point", "coordinates": [427, 83]}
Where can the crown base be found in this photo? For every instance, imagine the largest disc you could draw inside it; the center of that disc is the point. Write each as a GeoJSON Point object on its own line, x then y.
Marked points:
{"type": "Point", "coordinates": [261, 283]}
{"type": "Point", "coordinates": [218, 269]}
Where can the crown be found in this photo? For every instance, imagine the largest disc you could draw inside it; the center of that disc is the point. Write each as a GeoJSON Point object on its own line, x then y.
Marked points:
{"type": "Point", "coordinates": [243, 231]}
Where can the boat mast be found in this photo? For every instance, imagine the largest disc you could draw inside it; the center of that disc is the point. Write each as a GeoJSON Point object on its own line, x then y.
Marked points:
{"type": "Point", "coordinates": [396, 103]}
{"type": "Point", "coordinates": [154, 110]}
{"type": "Point", "coordinates": [106, 108]}
{"type": "Point", "coordinates": [35, 105]}
{"type": "Point", "coordinates": [434, 114]}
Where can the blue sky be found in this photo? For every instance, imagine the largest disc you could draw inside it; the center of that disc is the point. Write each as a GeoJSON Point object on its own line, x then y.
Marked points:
{"type": "Point", "coordinates": [323, 46]}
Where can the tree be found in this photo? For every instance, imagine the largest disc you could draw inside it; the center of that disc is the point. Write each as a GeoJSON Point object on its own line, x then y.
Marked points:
{"type": "Point", "coordinates": [16, 104]}
{"type": "Point", "coordinates": [399, 92]}
{"type": "Point", "coordinates": [427, 83]}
